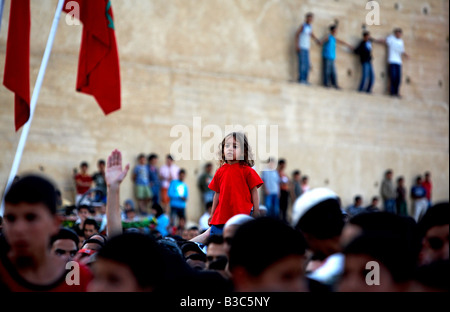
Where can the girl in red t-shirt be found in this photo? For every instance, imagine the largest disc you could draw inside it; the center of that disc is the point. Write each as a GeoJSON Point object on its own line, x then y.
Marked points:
{"type": "Point", "coordinates": [235, 183]}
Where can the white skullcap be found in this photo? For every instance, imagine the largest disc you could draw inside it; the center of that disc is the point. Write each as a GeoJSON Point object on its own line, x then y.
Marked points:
{"type": "Point", "coordinates": [238, 220]}
{"type": "Point", "coordinates": [262, 207]}
{"type": "Point", "coordinates": [308, 200]}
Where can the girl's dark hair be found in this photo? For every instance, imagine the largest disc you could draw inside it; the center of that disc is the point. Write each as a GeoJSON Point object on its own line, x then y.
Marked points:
{"type": "Point", "coordinates": [242, 140]}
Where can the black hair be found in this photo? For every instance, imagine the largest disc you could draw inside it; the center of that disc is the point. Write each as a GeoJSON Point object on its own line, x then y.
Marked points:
{"type": "Point", "coordinates": [208, 205]}
{"type": "Point", "coordinates": [169, 157]}
{"type": "Point", "coordinates": [65, 233]}
{"type": "Point", "coordinates": [92, 222]}
{"type": "Point", "coordinates": [324, 220]}
{"type": "Point", "coordinates": [281, 162]}
{"type": "Point", "coordinates": [158, 208]}
{"type": "Point", "coordinates": [33, 189]}
{"type": "Point", "coordinates": [274, 241]}
{"type": "Point", "coordinates": [389, 238]}
{"type": "Point", "coordinates": [140, 253]}
{"type": "Point", "coordinates": [333, 27]}
{"type": "Point", "coordinates": [141, 155]}
{"type": "Point", "coordinates": [101, 162]}
{"type": "Point", "coordinates": [190, 246]}
{"type": "Point", "coordinates": [181, 171]}
{"type": "Point", "coordinates": [214, 239]}
{"type": "Point", "coordinates": [84, 206]}
{"type": "Point", "coordinates": [436, 215]}
{"type": "Point", "coordinates": [357, 197]}
{"type": "Point", "coordinates": [296, 172]}
{"type": "Point", "coordinates": [152, 156]}
{"type": "Point", "coordinates": [84, 164]}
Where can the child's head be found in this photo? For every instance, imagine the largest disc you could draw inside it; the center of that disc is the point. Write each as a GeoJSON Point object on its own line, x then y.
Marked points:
{"type": "Point", "coordinates": [181, 174]}
{"type": "Point", "coordinates": [333, 29]}
{"type": "Point", "coordinates": [296, 175]}
{"type": "Point", "coordinates": [84, 167]}
{"type": "Point", "coordinates": [141, 159]}
{"type": "Point", "coordinates": [309, 17]}
{"type": "Point", "coordinates": [235, 147]}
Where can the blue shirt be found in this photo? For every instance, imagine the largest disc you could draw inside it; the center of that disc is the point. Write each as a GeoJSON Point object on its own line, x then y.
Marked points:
{"type": "Point", "coordinates": [329, 48]}
{"type": "Point", "coordinates": [271, 180]}
{"type": "Point", "coordinates": [162, 224]}
{"type": "Point", "coordinates": [177, 190]}
{"type": "Point", "coordinates": [141, 173]}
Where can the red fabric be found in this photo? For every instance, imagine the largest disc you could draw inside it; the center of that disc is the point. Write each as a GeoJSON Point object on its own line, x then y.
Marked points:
{"type": "Point", "coordinates": [11, 279]}
{"type": "Point", "coordinates": [17, 62]}
{"type": "Point", "coordinates": [234, 184]}
{"type": "Point", "coordinates": [427, 186]}
{"type": "Point", "coordinates": [83, 178]}
{"type": "Point", "coordinates": [98, 65]}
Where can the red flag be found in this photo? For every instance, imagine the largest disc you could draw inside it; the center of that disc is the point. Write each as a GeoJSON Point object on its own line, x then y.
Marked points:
{"type": "Point", "coordinates": [17, 62]}
{"type": "Point", "coordinates": [98, 65]}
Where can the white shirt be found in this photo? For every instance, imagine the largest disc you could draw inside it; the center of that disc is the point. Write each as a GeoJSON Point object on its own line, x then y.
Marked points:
{"type": "Point", "coordinates": [304, 42]}
{"type": "Point", "coordinates": [395, 49]}
{"type": "Point", "coordinates": [168, 172]}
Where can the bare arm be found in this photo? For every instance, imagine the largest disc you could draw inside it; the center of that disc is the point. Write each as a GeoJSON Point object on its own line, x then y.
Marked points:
{"type": "Point", "coordinates": [214, 206]}
{"type": "Point", "coordinates": [255, 201]}
{"type": "Point", "coordinates": [202, 238]}
{"type": "Point", "coordinates": [298, 32]}
{"type": "Point", "coordinates": [344, 43]}
{"type": "Point", "coordinates": [315, 39]}
{"type": "Point", "coordinates": [114, 176]}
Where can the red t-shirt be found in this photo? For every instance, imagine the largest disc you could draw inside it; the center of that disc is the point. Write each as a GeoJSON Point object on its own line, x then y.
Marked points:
{"type": "Point", "coordinates": [427, 186]}
{"type": "Point", "coordinates": [10, 278]}
{"type": "Point", "coordinates": [84, 179]}
{"type": "Point", "coordinates": [234, 184]}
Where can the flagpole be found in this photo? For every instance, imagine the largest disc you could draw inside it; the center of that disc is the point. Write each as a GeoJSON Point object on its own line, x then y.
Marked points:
{"type": "Point", "coordinates": [34, 98]}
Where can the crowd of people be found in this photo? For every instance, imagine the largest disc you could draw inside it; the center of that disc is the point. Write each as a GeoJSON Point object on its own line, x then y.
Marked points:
{"type": "Point", "coordinates": [396, 54]}
{"type": "Point", "coordinates": [321, 248]}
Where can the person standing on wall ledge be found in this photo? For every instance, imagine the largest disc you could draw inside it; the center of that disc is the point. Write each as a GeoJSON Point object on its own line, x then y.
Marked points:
{"type": "Point", "coordinates": [302, 45]}
{"type": "Point", "coordinates": [329, 57]}
{"type": "Point", "coordinates": [396, 52]}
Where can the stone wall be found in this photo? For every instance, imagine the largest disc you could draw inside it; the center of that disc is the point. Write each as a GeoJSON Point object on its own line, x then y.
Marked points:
{"type": "Point", "coordinates": [228, 63]}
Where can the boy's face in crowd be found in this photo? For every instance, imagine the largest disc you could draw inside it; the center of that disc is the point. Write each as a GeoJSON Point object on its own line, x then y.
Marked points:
{"type": "Point", "coordinates": [181, 176]}
{"type": "Point", "coordinates": [309, 19]}
{"type": "Point", "coordinates": [285, 275]}
{"type": "Point", "coordinates": [435, 245]}
{"type": "Point", "coordinates": [112, 276]}
{"type": "Point", "coordinates": [84, 169]}
{"type": "Point", "coordinates": [65, 249]}
{"type": "Point", "coordinates": [355, 273]}
{"type": "Point", "coordinates": [83, 213]}
{"type": "Point", "coordinates": [154, 161]}
{"type": "Point", "coordinates": [101, 167]}
{"type": "Point", "coordinates": [142, 160]}
{"type": "Point", "coordinates": [89, 230]}
{"type": "Point", "coordinates": [28, 228]}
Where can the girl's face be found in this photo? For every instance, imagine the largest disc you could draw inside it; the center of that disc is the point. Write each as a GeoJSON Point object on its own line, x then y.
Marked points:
{"type": "Point", "coordinates": [232, 150]}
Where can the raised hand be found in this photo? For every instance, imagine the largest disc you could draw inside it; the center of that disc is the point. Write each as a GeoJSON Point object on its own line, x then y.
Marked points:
{"type": "Point", "coordinates": [114, 174]}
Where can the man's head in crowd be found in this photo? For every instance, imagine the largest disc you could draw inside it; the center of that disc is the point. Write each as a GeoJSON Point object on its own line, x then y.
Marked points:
{"type": "Point", "coordinates": [216, 256]}
{"type": "Point", "coordinates": [130, 262]}
{"type": "Point", "coordinates": [385, 249]}
{"type": "Point", "coordinates": [90, 227]}
{"type": "Point", "coordinates": [30, 218]}
{"type": "Point", "coordinates": [267, 255]}
{"type": "Point", "coordinates": [318, 215]}
{"type": "Point", "coordinates": [434, 231]}
{"type": "Point", "coordinates": [65, 244]}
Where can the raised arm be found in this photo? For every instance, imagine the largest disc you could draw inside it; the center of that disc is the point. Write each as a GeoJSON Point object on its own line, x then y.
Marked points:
{"type": "Point", "coordinates": [114, 176]}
